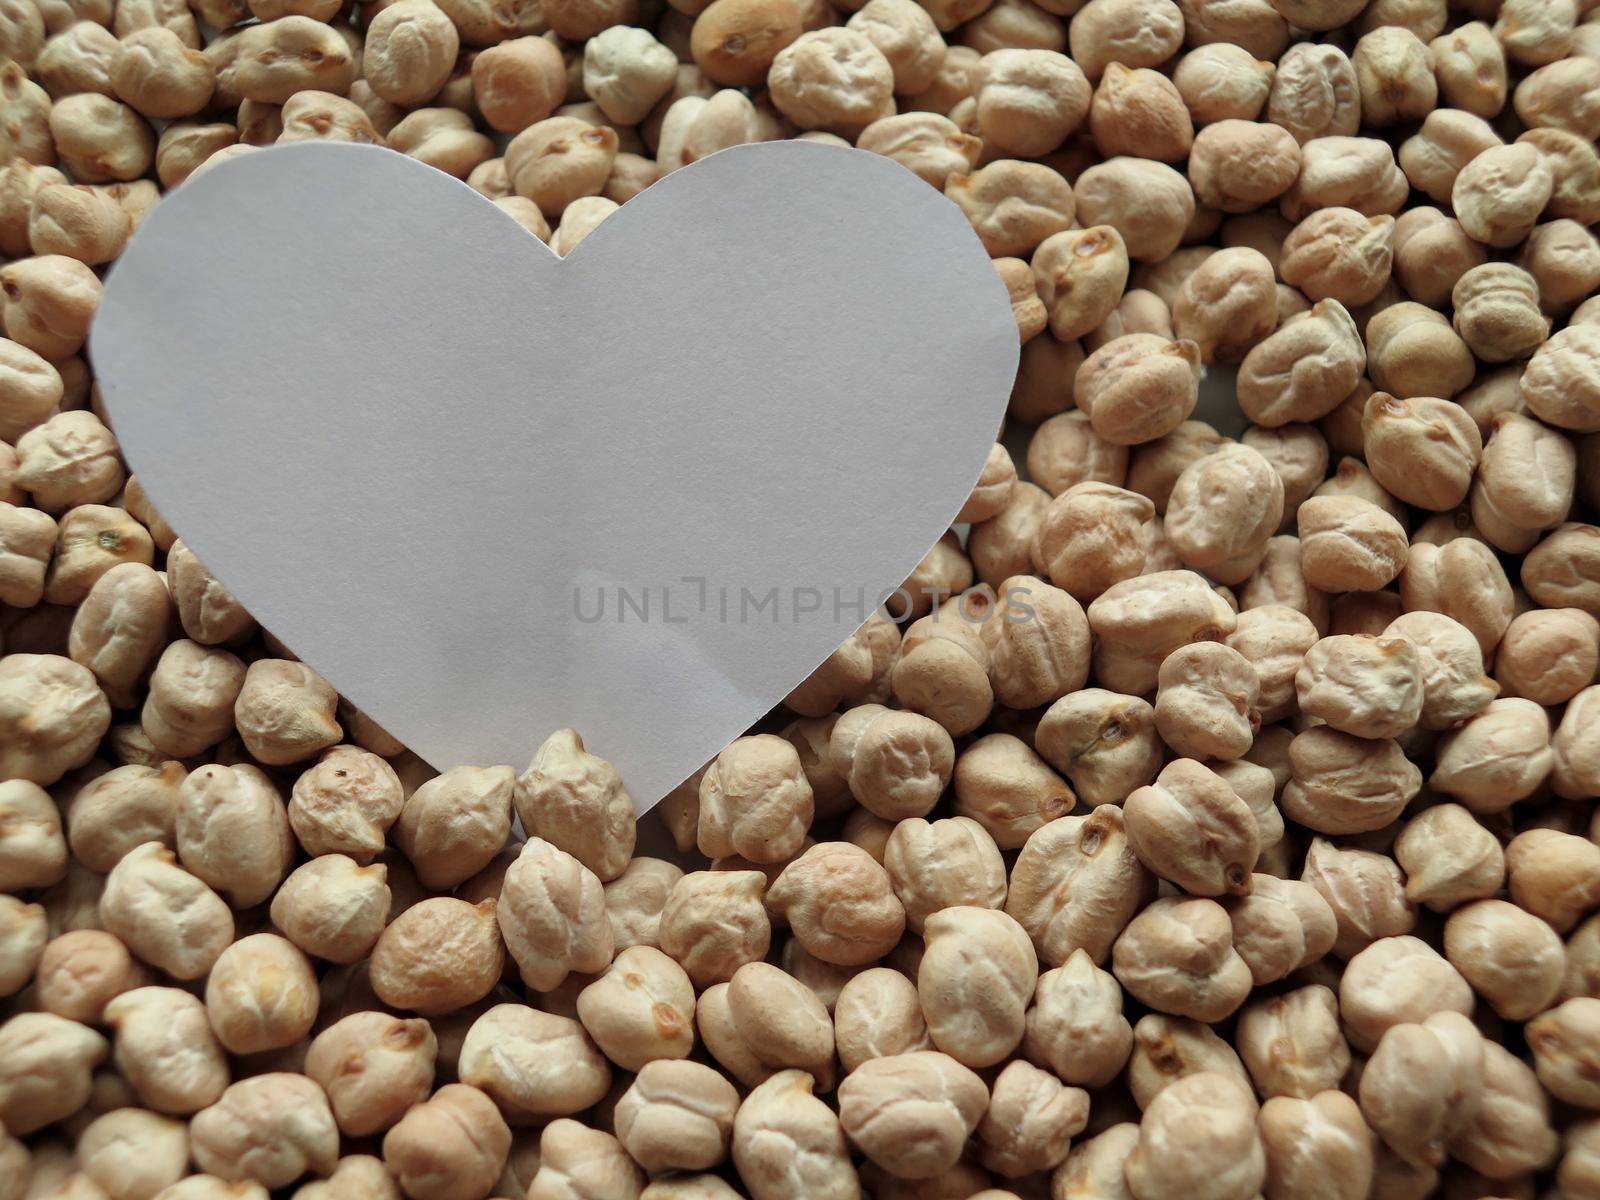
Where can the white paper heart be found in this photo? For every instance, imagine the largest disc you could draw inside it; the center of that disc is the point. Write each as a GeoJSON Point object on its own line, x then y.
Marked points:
{"type": "Point", "coordinates": [423, 451]}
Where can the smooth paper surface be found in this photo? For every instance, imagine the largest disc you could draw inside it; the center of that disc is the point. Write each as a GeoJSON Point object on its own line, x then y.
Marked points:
{"type": "Point", "coordinates": [488, 493]}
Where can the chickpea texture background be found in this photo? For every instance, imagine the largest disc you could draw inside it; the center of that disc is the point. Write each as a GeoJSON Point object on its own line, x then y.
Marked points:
{"type": "Point", "coordinates": [1213, 815]}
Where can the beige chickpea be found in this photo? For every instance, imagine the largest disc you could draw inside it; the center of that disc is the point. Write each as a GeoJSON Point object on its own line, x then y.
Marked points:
{"type": "Point", "coordinates": [840, 903]}
{"type": "Point", "coordinates": [912, 1113]}
{"type": "Point", "coordinates": [1220, 81]}
{"type": "Point", "coordinates": [1198, 1135]}
{"type": "Point", "coordinates": [1094, 1169]}
{"type": "Point", "coordinates": [454, 824]}
{"type": "Point", "coordinates": [409, 52]}
{"type": "Point", "coordinates": [1315, 93]}
{"type": "Point", "coordinates": [1422, 449]}
{"type": "Point", "coordinates": [1167, 1049]}
{"type": "Point", "coordinates": [1237, 166]}
{"type": "Point", "coordinates": [767, 1021]}
{"type": "Point", "coordinates": [1349, 544]}
{"type": "Point", "coordinates": [1076, 884]}
{"type": "Point", "coordinates": [26, 105]}
{"type": "Point", "coordinates": [735, 41]}
{"type": "Point", "coordinates": [82, 971]}
{"type": "Point", "coordinates": [626, 71]}
{"type": "Point", "coordinates": [677, 1116]}
{"type": "Point", "coordinates": [1075, 1025]}
{"type": "Point", "coordinates": [27, 541]}
{"type": "Point", "coordinates": [714, 922]}
{"type": "Point", "coordinates": [1104, 743]}
{"type": "Point", "coordinates": [878, 1014]}
{"type": "Point", "coordinates": [69, 460]}
{"type": "Point", "coordinates": [78, 222]}
{"type": "Point", "coordinates": [552, 914]}
{"type": "Point", "coordinates": [47, 302]}
{"type": "Point", "coordinates": [1304, 369]}
{"type": "Point", "coordinates": [909, 39]}
{"type": "Point", "coordinates": [1139, 311]}
{"type": "Point", "coordinates": [1139, 387]}
{"type": "Point", "coordinates": [161, 77]}
{"type": "Point", "coordinates": [1292, 1044]}
{"type": "Point", "coordinates": [1008, 789]}
{"type": "Point", "coordinates": [944, 864]}
{"type": "Point", "coordinates": [1395, 75]}
{"type": "Point", "coordinates": [438, 955]}
{"type": "Point", "coordinates": [1497, 312]}
{"type": "Point", "coordinates": [192, 694]}
{"type": "Point", "coordinates": [1463, 580]}
{"type": "Point", "coordinates": [635, 900]}
{"type": "Point", "coordinates": [1066, 450]}
{"type": "Point", "coordinates": [1140, 621]}
{"type": "Point", "coordinates": [166, 1050]}
{"type": "Point", "coordinates": [450, 1147]}
{"type": "Point", "coordinates": [1511, 958]}
{"type": "Point", "coordinates": [1013, 206]}
{"type": "Point", "coordinates": [24, 932]}
{"type": "Point", "coordinates": [33, 852]}
{"type": "Point", "coordinates": [560, 159]}
{"type": "Point", "coordinates": [90, 540]}
{"type": "Point", "coordinates": [1561, 384]}
{"type": "Point", "coordinates": [1280, 926]}
{"type": "Point", "coordinates": [132, 1153]}
{"type": "Point", "coordinates": [1562, 95]}
{"type": "Point", "coordinates": [1369, 687]}
{"type": "Point", "coordinates": [1316, 1146]}
{"type": "Point", "coordinates": [975, 981]}
{"type": "Point", "coordinates": [444, 138]}
{"type": "Point", "coordinates": [1498, 195]}
{"type": "Point", "coordinates": [1357, 172]}
{"type": "Point", "coordinates": [1141, 112]}
{"type": "Point", "coordinates": [1432, 252]}
{"type": "Point", "coordinates": [1190, 826]}
{"type": "Point", "coordinates": [1031, 1120]}
{"type": "Point", "coordinates": [30, 387]}
{"type": "Point", "coordinates": [1339, 254]}
{"type": "Point", "coordinates": [1549, 655]}
{"type": "Point", "coordinates": [233, 832]}
{"type": "Point", "coordinates": [1135, 34]}
{"type": "Point", "coordinates": [755, 801]}
{"type": "Point", "coordinates": [1227, 304]}
{"type": "Point", "coordinates": [1510, 1133]}
{"type": "Point", "coordinates": [832, 79]}
{"type": "Point", "coordinates": [276, 59]}
{"type": "Point", "coordinates": [1029, 100]}
{"type": "Point", "coordinates": [1423, 1084]}
{"type": "Point", "coordinates": [355, 1175]}
{"type": "Point", "coordinates": [100, 139]}
{"type": "Point", "coordinates": [1394, 980]}
{"type": "Point", "coordinates": [1553, 875]}
{"type": "Point", "coordinates": [1563, 258]}
{"type": "Point", "coordinates": [942, 671]}
{"type": "Point", "coordinates": [261, 994]}
{"type": "Point", "coordinates": [1563, 570]}
{"type": "Point", "coordinates": [1525, 482]}
{"type": "Point", "coordinates": [786, 1141]}
{"type": "Point", "coordinates": [1576, 1172]}
{"type": "Point", "coordinates": [1365, 890]}
{"type": "Point", "coordinates": [1497, 757]}
{"type": "Point", "coordinates": [896, 764]}
{"type": "Point", "coordinates": [333, 908]}
{"type": "Point", "coordinates": [1449, 858]}
{"type": "Point", "coordinates": [533, 1064]}
{"type": "Point", "coordinates": [1080, 274]}
{"type": "Point", "coordinates": [641, 1009]}
{"type": "Point", "coordinates": [926, 144]}
{"type": "Point", "coordinates": [165, 915]}
{"type": "Point", "coordinates": [577, 802]}
{"type": "Point", "coordinates": [525, 213]}
{"type": "Point", "coordinates": [1148, 203]}
{"type": "Point", "coordinates": [1577, 766]}
{"type": "Point", "coordinates": [272, 1128]}
{"type": "Point", "coordinates": [323, 116]}
{"type": "Point", "coordinates": [1470, 66]}
{"type": "Point", "coordinates": [1575, 168]}
{"type": "Point", "coordinates": [518, 83]}
{"type": "Point", "coordinates": [1563, 1044]}
{"type": "Point", "coordinates": [285, 712]}
{"type": "Point", "coordinates": [1413, 351]}
{"type": "Point", "coordinates": [120, 629]}
{"type": "Point", "coordinates": [45, 1070]}
{"type": "Point", "coordinates": [1274, 639]}
{"type": "Point", "coordinates": [1177, 957]}
{"type": "Point", "coordinates": [577, 1161]}
{"type": "Point", "coordinates": [1222, 510]}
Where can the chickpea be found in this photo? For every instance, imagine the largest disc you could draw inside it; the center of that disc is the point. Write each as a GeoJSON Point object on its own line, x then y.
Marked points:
{"type": "Point", "coordinates": [575, 1161]}
{"type": "Point", "coordinates": [1394, 73]}
{"type": "Point", "coordinates": [878, 1014]}
{"type": "Point", "coordinates": [1365, 890]}
{"type": "Point", "coordinates": [754, 801]}
{"type": "Point", "coordinates": [520, 82]}
{"type": "Point", "coordinates": [1510, 957]}
{"type": "Point", "coordinates": [23, 935]}
{"type": "Point", "coordinates": [1448, 140]}
{"type": "Point", "coordinates": [1422, 1085]}
{"type": "Point", "coordinates": [942, 672]}
{"type": "Point", "coordinates": [1198, 1133]}
{"type": "Point", "coordinates": [677, 1116]}
{"type": "Point", "coordinates": [1292, 1044]}
{"type": "Point", "coordinates": [560, 159]}
{"type": "Point", "coordinates": [785, 1139]}
{"type": "Point", "coordinates": [1397, 979]}
{"type": "Point", "coordinates": [1349, 544]}
{"type": "Point", "coordinates": [120, 628]}
{"type": "Point", "coordinates": [1140, 621]}
{"type": "Point", "coordinates": [1139, 387]}
{"type": "Point", "coordinates": [1315, 93]}
{"type": "Point", "coordinates": [272, 1128]}
{"type": "Point", "coordinates": [69, 460]}
{"type": "Point", "coordinates": [452, 1146]}
{"type": "Point", "coordinates": [165, 915]}
{"type": "Point", "coordinates": [1337, 253]}
{"type": "Point", "coordinates": [1013, 206]}
{"type": "Point", "coordinates": [909, 39]}
{"type": "Point", "coordinates": [641, 1009]}
{"type": "Point", "coordinates": [192, 695]}
{"type": "Point", "coordinates": [1094, 1167]}
{"type": "Point", "coordinates": [1563, 1044]}
{"type": "Point", "coordinates": [1320, 1144]}
{"type": "Point", "coordinates": [284, 713]}
{"type": "Point", "coordinates": [1148, 203]}
{"type": "Point", "coordinates": [333, 908]}
{"type": "Point", "coordinates": [1190, 827]}
{"type": "Point", "coordinates": [1577, 768]}
{"type": "Point", "coordinates": [532, 1064]}
{"type": "Point", "coordinates": [1080, 274]}
{"type": "Point", "coordinates": [1431, 253]}
{"type": "Point", "coordinates": [1499, 194]}
{"type": "Point", "coordinates": [1177, 957]}
{"type": "Point", "coordinates": [1031, 1120]}
{"type": "Point", "coordinates": [1449, 858]}
{"type": "Point", "coordinates": [1470, 66]}
{"type": "Point", "coordinates": [1553, 875]}
{"type": "Point", "coordinates": [1135, 33]}
{"type": "Point", "coordinates": [1497, 757]}
{"type": "Point", "coordinates": [233, 832]}
{"type": "Point", "coordinates": [1510, 1133]}
{"type": "Point", "coordinates": [1105, 744]}
{"type": "Point", "coordinates": [1141, 112]}
{"type": "Point", "coordinates": [976, 948]}
{"type": "Point", "coordinates": [1008, 789]}
{"type": "Point", "coordinates": [941, 865]}
{"type": "Point", "coordinates": [912, 1113]}
{"type": "Point", "coordinates": [1219, 82]}
{"type": "Point", "coordinates": [82, 971]}
{"type": "Point", "coordinates": [832, 79]}
{"type": "Point", "coordinates": [166, 1050]}
{"type": "Point", "coordinates": [438, 955]}
{"type": "Point", "coordinates": [47, 302]}
{"type": "Point", "coordinates": [356, 1175]}
{"type": "Point", "coordinates": [840, 904]}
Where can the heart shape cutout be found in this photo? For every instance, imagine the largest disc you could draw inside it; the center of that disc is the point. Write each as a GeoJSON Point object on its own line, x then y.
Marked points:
{"type": "Point", "coordinates": [423, 450]}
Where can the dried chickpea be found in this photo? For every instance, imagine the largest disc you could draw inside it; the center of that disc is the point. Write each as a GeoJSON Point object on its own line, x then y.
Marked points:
{"type": "Point", "coordinates": [1177, 957]}
{"type": "Point", "coordinates": [945, 864]}
{"type": "Point", "coordinates": [1138, 387]}
{"type": "Point", "coordinates": [1105, 744]}
{"type": "Point", "coordinates": [577, 1161]}
{"type": "Point", "coordinates": [1140, 621]}
{"type": "Point", "coordinates": [261, 994]}
{"type": "Point", "coordinates": [23, 936]}
{"type": "Point", "coordinates": [1365, 890]}
{"type": "Point", "coordinates": [1563, 1044]}
{"type": "Point", "coordinates": [1349, 544]}
{"type": "Point", "coordinates": [271, 1128]}
{"type": "Point", "coordinates": [909, 39]}
{"type": "Point", "coordinates": [1577, 767]}
{"type": "Point", "coordinates": [1319, 1145]}
{"type": "Point", "coordinates": [166, 1050]}
{"type": "Point", "coordinates": [878, 1015]}
{"type": "Point", "coordinates": [1423, 1084]}
{"type": "Point", "coordinates": [896, 764]}
{"type": "Point", "coordinates": [333, 908]}
{"type": "Point", "coordinates": [1510, 1133]}
{"type": "Point", "coordinates": [1190, 827]}
{"type": "Point", "coordinates": [1449, 858]}
{"type": "Point", "coordinates": [1315, 93]}
{"type": "Point", "coordinates": [518, 83]}
{"type": "Point", "coordinates": [1394, 73]}
{"type": "Point", "coordinates": [1497, 757]}
{"type": "Point", "coordinates": [976, 978]}
{"type": "Point", "coordinates": [1431, 253]}
{"type": "Point", "coordinates": [532, 1064]}
{"type": "Point", "coordinates": [1135, 33]}
{"type": "Point", "coordinates": [1029, 100]}
{"type": "Point", "coordinates": [755, 801]}
{"type": "Point", "coordinates": [840, 904]}
{"type": "Point", "coordinates": [1008, 789]}
{"type": "Point", "coordinates": [1218, 82]}
{"type": "Point", "coordinates": [165, 915]}
{"type": "Point", "coordinates": [766, 1021]}
{"type": "Point", "coordinates": [832, 79]}
{"type": "Point", "coordinates": [1337, 253]}
{"type": "Point", "coordinates": [558, 160]}
{"type": "Point", "coordinates": [1080, 274]}
{"type": "Point", "coordinates": [552, 915]}
{"type": "Point", "coordinates": [285, 713]}
{"type": "Point", "coordinates": [1463, 580]}
{"type": "Point", "coordinates": [1148, 203]}
{"type": "Point", "coordinates": [1553, 875]}
{"type": "Point", "coordinates": [1448, 140]}
{"type": "Point", "coordinates": [912, 1113]}
{"type": "Point", "coordinates": [1470, 66]}
{"type": "Point", "coordinates": [437, 956]}
{"type": "Point", "coordinates": [1198, 1137]}
{"type": "Point", "coordinates": [192, 695]}
{"type": "Point", "coordinates": [786, 1141]}
{"type": "Point", "coordinates": [1141, 112]}
{"type": "Point", "coordinates": [1013, 206]}
{"type": "Point", "coordinates": [942, 672]}
{"type": "Point", "coordinates": [450, 1147]}
{"type": "Point", "coordinates": [1394, 980]}
{"type": "Point", "coordinates": [1511, 958]}
{"type": "Point", "coordinates": [46, 304]}
{"type": "Point", "coordinates": [233, 832]}
{"type": "Point", "coordinates": [1031, 1120]}
{"type": "Point", "coordinates": [677, 1116]}
{"type": "Point", "coordinates": [714, 922]}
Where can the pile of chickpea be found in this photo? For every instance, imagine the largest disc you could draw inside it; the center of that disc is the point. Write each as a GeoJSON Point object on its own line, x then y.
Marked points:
{"type": "Point", "coordinates": [1213, 819]}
